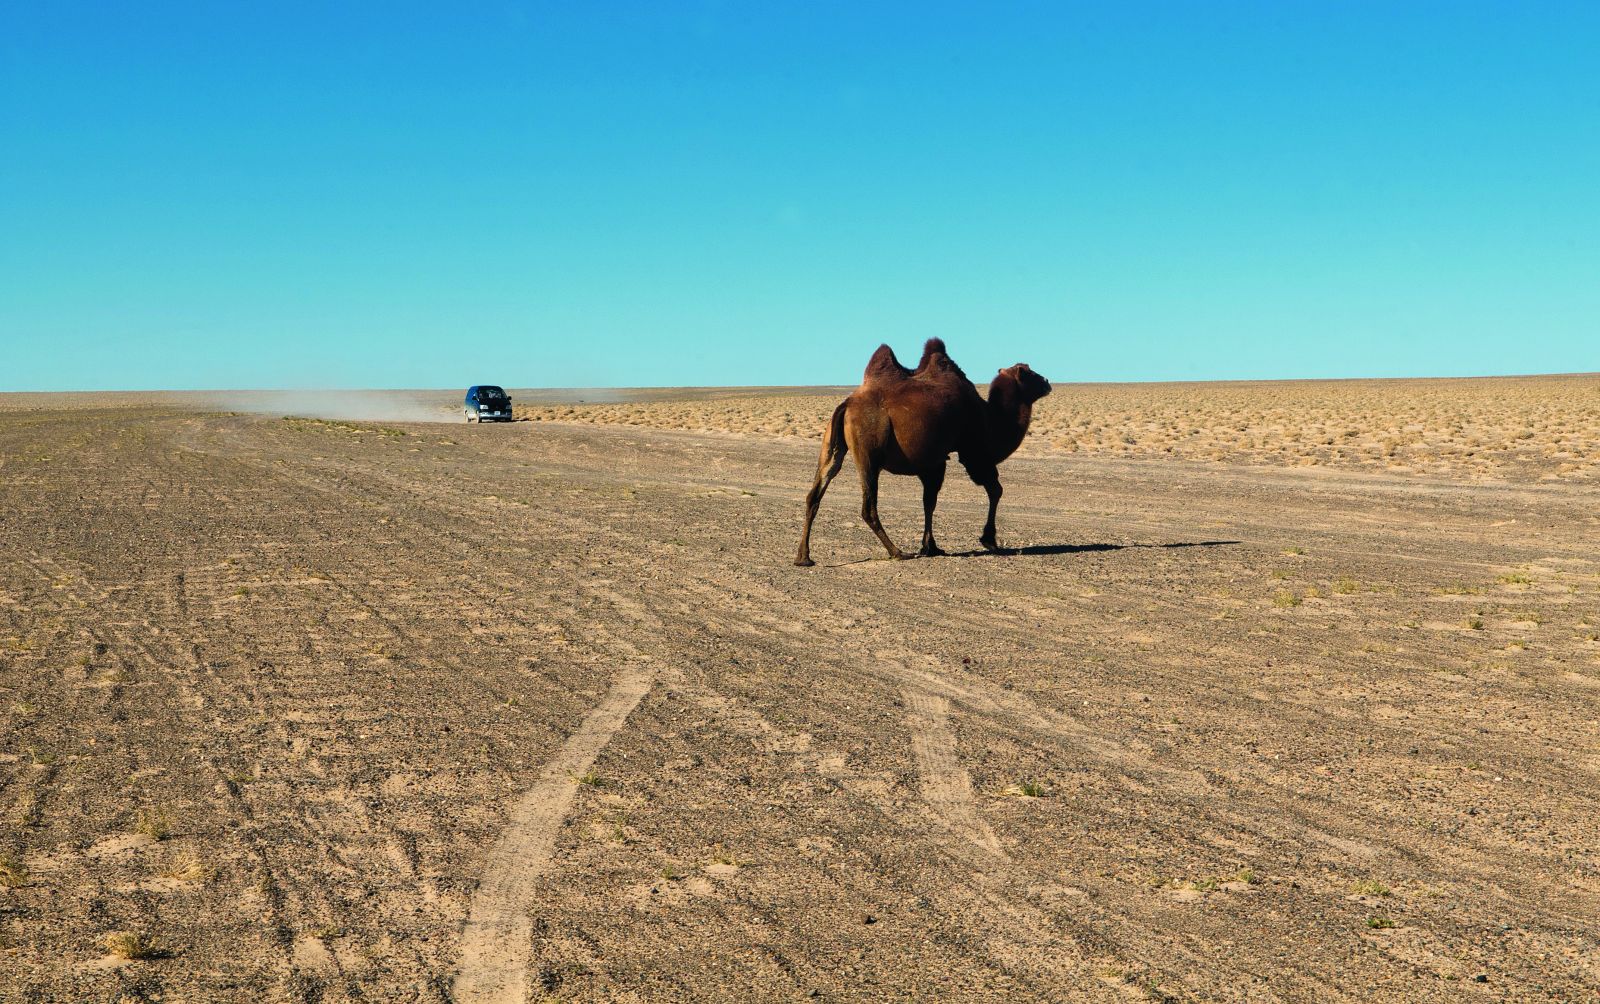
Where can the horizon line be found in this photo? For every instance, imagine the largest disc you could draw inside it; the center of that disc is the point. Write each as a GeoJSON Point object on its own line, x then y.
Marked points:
{"type": "Point", "coordinates": [806, 386]}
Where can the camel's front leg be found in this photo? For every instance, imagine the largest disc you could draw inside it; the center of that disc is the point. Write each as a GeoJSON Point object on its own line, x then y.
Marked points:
{"type": "Point", "coordinates": [992, 486]}
{"type": "Point", "coordinates": [931, 483]}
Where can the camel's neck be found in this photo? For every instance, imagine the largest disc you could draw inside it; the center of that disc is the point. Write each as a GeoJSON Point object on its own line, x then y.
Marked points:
{"type": "Point", "coordinates": [1009, 415]}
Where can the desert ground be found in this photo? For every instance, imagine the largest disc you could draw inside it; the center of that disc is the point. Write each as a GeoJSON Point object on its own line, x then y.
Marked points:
{"type": "Point", "coordinates": [1280, 692]}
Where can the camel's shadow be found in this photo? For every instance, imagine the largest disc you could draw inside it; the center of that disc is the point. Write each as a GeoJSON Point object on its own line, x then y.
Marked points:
{"type": "Point", "coordinates": [1044, 549]}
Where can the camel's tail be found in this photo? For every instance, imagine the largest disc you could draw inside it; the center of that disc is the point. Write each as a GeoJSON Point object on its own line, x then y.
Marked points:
{"type": "Point", "coordinates": [834, 446]}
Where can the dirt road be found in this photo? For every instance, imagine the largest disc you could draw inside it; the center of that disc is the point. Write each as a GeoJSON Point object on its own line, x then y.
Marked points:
{"type": "Point", "coordinates": [335, 712]}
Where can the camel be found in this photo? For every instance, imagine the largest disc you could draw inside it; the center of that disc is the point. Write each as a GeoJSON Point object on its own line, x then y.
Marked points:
{"type": "Point", "coordinates": [909, 422]}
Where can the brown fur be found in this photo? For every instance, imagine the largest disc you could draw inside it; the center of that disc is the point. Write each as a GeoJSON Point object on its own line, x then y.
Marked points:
{"type": "Point", "coordinates": [910, 421]}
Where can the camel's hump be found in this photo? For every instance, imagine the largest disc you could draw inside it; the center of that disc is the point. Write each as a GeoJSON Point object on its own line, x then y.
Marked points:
{"type": "Point", "coordinates": [933, 347]}
{"type": "Point", "coordinates": [938, 366]}
{"type": "Point", "coordinates": [884, 365]}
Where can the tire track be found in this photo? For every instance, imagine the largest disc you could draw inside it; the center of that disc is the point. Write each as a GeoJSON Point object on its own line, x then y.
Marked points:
{"type": "Point", "coordinates": [495, 945]}
{"type": "Point", "coordinates": [946, 785]}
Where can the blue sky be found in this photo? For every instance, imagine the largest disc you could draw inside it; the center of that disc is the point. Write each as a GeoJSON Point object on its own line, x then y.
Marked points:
{"type": "Point", "coordinates": [616, 194]}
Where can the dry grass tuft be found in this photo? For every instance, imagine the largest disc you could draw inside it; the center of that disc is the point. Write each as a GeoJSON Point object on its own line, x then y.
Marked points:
{"type": "Point", "coordinates": [13, 872]}
{"type": "Point", "coordinates": [132, 945]}
{"type": "Point", "coordinates": [1027, 789]}
{"type": "Point", "coordinates": [154, 823]}
{"type": "Point", "coordinates": [189, 868]}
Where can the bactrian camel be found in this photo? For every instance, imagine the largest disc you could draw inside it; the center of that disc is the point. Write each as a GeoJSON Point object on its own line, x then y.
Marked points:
{"type": "Point", "coordinates": [909, 422]}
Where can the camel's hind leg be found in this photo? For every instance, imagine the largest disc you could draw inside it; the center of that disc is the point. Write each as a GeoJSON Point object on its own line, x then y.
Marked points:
{"type": "Point", "coordinates": [834, 448]}
{"type": "Point", "coordinates": [931, 483]}
{"type": "Point", "coordinates": [869, 502]}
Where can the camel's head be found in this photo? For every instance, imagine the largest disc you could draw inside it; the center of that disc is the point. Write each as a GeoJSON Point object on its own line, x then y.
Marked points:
{"type": "Point", "coordinates": [1032, 385]}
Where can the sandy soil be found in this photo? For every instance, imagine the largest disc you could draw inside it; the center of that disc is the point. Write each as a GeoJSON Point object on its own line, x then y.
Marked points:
{"type": "Point", "coordinates": [1509, 428]}
{"type": "Point", "coordinates": [338, 711]}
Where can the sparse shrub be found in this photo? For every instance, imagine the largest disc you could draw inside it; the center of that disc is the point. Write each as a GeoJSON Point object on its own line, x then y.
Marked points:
{"type": "Point", "coordinates": [132, 945]}
{"type": "Point", "coordinates": [1344, 587]}
{"type": "Point", "coordinates": [1369, 887]}
{"type": "Point", "coordinates": [590, 779]}
{"type": "Point", "coordinates": [154, 823]}
{"type": "Point", "coordinates": [12, 871]}
{"type": "Point", "coordinates": [1285, 599]}
{"type": "Point", "coordinates": [1379, 923]}
{"type": "Point", "coordinates": [189, 868]}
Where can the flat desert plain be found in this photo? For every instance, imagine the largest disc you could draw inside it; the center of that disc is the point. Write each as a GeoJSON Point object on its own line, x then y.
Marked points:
{"type": "Point", "coordinates": [1282, 692]}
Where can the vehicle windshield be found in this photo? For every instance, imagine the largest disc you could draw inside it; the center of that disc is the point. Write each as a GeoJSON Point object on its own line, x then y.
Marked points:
{"type": "Point", "coordinates": [491, 394]}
